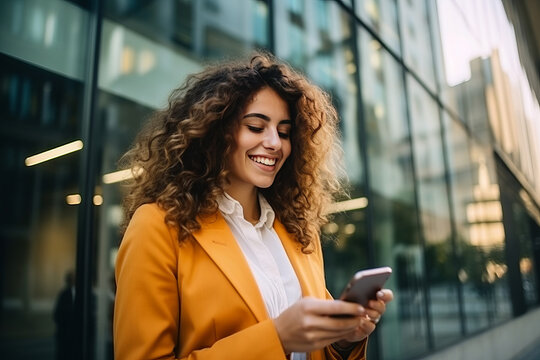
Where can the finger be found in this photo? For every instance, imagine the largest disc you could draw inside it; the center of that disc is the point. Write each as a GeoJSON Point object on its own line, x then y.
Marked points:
{"type": "Point", "coordinates": [385, 295]}
{"type": "Point", "coordinates": [373, 315]}
{"type": "Point", "coordinates": [377, 305]}
{"type": "Point", "coordinates": [362, 331]}
{"type": "Point", "coordinates": [334, 307]}
{"type": "Point", "coordinates": [334, 324]}
{"type": "Point", "coordinates": [329, 337]}
{"type": "Point", "coordinates": [367, 326]}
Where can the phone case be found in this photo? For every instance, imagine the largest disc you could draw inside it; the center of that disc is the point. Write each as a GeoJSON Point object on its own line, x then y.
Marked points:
{"type": "Point", "coordinates": [365, 284]}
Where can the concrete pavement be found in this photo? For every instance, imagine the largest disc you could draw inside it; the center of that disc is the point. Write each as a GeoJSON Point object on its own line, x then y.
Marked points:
{"type": "Point", "coordinates": [530, 353]}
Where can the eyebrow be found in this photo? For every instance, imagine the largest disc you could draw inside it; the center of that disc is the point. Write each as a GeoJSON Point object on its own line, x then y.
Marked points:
{"type": "Point", "coordinates": [265, 118]}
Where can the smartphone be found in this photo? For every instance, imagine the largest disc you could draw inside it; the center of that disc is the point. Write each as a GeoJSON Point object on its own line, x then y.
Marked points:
{"type": "Point", "coordinates": [364, 285]}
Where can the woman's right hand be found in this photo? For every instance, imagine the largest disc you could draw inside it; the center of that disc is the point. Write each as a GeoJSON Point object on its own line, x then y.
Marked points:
{"type": "Point", "coordinates": [310, 324]}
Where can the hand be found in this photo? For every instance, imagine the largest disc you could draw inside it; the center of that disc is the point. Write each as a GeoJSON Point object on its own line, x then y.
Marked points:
{"type": "Point", "coordinates": [373, 313]}
{"type": "Point", "coordinates": [308, 324]}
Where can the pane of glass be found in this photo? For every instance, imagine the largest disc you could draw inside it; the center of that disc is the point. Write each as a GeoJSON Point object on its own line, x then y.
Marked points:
{"type": "Point", "coordinates": [42, 45]}
{"type": "Point", "coordinates": [486, 79]}
{"type": "Point", "coordinates": [526, 262]}
{"type": "Point", "coordinates": [203, 29]}
{"type": "Point", "coordinates": [415, 35]}
{"type": "Point", "coordinates": [395, 230]}
{"type": "Point", "coordinates": [483, 274]}
{"type": "Point", "coordinates": [344, 249]}
{"type": "Point", "coordinates": [139, 69]}
{"type": "Point", "coordinates": [48, 33]}
{"type": "Point", "coordinates": [460, 173]}
{"type": "Point", "coordinates": [461, 188]}
{"type": "Point", "coordinates": [434, 214]}
{"type": "Point", "coordinates": [381, 16]}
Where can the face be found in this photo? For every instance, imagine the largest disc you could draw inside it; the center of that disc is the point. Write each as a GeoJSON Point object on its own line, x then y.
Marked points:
{"type": "Point", "coordinates": [262, 141]}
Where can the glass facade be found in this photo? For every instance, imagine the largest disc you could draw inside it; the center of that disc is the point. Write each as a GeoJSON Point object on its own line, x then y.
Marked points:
{"type": "Point", "coordinates": [440, 129]}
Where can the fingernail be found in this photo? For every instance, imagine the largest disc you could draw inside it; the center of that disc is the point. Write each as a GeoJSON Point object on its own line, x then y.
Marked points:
{"type": "Point", "coordinates": [361, 310]}
{"type": "Point", "coordinates": [380, 294]}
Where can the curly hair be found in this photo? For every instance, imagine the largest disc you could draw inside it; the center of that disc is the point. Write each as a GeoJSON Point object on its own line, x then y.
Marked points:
{"type": "Point", "coordinates": [179, 158]}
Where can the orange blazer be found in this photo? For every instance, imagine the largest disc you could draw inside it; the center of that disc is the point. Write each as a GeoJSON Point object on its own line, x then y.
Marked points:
{"type": "Point", "coordinates": [198, 300]}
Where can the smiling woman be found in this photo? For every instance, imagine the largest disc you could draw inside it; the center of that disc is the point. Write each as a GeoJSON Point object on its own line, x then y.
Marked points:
{"type": "Point", "coordinates": [262, 145]}
{"type": "Point", "coordinates": [237, 175]}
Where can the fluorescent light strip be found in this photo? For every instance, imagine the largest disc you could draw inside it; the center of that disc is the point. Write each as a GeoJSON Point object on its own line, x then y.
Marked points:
{"type": "Point", "coordinates": [347, 205]}
{"type": "Point", "coordinates": [121, 175]}
{"type": "Point", "coordinates": [54, 153]}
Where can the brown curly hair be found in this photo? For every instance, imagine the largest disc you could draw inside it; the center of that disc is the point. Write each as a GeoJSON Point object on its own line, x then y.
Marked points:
{"type": "Point", "coordinates": [183, 149]}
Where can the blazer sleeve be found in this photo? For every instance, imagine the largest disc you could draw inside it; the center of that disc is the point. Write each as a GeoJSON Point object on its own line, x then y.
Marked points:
{"type": "Point", "coordinates": [358, 352]}
{"type": "Point", "coordinates": [147, 304]}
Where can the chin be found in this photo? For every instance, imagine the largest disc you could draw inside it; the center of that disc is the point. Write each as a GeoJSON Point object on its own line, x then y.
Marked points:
{"type": "Point", "coordinates": [264, 184]}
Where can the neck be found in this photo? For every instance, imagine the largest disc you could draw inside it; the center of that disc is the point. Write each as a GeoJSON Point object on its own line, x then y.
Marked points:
{"type": "Point", "coordinates": [249, 200]}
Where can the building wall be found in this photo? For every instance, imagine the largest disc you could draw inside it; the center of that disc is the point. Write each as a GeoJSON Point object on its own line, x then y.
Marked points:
{"type": "Point", "coordinates": [440, 131]}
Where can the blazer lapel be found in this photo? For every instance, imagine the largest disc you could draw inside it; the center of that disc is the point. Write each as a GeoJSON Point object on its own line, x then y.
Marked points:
{"type": "Point", "coordinates": [304, 264]}
{"type": "Point", "coordinates": [218, 242]}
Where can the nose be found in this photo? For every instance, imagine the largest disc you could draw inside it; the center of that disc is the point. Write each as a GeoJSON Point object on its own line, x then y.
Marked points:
{"type": "Point", "coordinates": [272, 140]}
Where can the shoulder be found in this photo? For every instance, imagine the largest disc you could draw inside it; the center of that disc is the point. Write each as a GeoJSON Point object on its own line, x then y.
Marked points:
{"type": "Point", "coordinates": [149, 216]}
{"type": "Point", "coordinates": [147, 227]}
{"type": "Point", "coordinates": [151, 212]}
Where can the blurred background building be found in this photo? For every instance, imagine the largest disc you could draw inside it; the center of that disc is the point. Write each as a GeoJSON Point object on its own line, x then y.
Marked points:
{"type": "Point", "coordinates": [440, 120]}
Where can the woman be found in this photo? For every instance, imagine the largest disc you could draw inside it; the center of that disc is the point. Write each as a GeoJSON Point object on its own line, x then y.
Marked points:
{"type": "Point", "coordinates": [221, 258]}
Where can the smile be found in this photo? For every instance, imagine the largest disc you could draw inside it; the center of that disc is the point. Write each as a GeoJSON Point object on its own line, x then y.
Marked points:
{"type": "Point", "coordinates": [263, 160]}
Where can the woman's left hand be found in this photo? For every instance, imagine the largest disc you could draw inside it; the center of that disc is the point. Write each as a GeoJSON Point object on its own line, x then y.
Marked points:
{"type": "Point", "coordinates": [369, 321]}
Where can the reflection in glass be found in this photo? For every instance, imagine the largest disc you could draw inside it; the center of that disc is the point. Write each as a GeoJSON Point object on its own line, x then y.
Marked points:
{"type": "Point", "coordinates": [463, 200]}
{"type": "Point", "coordinates": [381, 16]}
{"type": "Point", "coordinates": [395, 233]}
{"type": "Point", "coordinates": [416, 43]}
{"type": "Point", "coordinates": [526, 263]}
{"type": "Point", "coordinates": [486, 294]}
{"type": "Point", "coordinates": [139, 69]}
{"type": "Point", "coordinates": [460, 173]}
{"type": "Point", "coordinates": [434, 214]}
{"type": "Point", "coordinates": [48, 33]}
{"type": "Point", "coordinates": [485, 78]}
{"type": "Point", "coordinates": [39, 111]}
{"type": "Point", "coordinates": [344, 253]}
{"type": "Point", "coordinates": [203, 29]}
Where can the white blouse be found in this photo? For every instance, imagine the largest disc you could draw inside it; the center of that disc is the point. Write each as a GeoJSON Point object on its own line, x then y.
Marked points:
{"type": "Point", "coordinates": [265, 255]}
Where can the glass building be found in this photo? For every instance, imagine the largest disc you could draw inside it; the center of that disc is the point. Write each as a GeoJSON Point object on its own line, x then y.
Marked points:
{"type": "Point", "coordinates": [440, 120]}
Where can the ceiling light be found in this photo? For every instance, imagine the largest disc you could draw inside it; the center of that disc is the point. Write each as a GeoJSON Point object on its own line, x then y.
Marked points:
{"type": "Point", "coordinates": [54, 153]}
{"type": "Point", "coordinates": [121, 175]}
{"type": "Point", "coordinates": [347, 205]}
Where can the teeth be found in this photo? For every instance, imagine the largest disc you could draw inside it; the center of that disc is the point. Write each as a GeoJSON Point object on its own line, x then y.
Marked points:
{"type": "Point", "coordinates": [263, 160]}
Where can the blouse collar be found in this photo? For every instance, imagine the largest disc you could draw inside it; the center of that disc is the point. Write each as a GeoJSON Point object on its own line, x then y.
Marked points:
{"type": "Point", "coordinates": [230, 206]}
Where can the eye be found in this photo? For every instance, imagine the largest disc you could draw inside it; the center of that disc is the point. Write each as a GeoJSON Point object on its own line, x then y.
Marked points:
{"type": "Point", "coordinates": [254, 129]}
{"type": "Point", "coordinates": [283, 135]}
